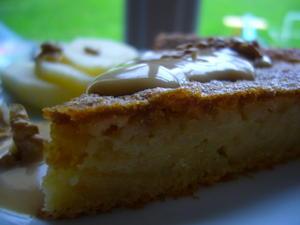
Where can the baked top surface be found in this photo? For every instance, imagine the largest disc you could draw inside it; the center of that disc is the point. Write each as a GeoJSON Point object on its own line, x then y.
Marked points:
{"type": "Point", "coordinates": [282, 77]}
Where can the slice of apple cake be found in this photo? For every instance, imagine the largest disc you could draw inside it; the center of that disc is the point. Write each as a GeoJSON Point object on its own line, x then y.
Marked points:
{"type": "Point", "coordinates": [162, 127]}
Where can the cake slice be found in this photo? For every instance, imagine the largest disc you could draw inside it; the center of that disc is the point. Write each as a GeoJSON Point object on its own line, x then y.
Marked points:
{"type": "Point", "coordinates": [124, 151]}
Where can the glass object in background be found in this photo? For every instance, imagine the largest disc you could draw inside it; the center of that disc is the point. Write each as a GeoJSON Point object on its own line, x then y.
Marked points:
{"type": "Point", "coordinates": [282, 20]}
{"type": "Point", "coordinates": [63, 19]}
{"type": "Point", "coordinates": [246, 25]}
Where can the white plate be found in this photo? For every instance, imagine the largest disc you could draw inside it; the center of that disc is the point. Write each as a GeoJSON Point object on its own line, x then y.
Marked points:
{"type": "Point", "coordinates": [270, 197]}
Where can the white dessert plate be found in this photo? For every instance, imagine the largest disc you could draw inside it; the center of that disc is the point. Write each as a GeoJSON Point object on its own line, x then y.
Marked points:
{"type": "Point", "coordinates": [268, 197]}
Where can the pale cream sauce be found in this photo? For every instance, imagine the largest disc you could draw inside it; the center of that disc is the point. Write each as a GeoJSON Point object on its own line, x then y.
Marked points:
{"type": "Point", "coordinates": [172, 72]}
{"type": "Point", "coordinates": [21, 188]}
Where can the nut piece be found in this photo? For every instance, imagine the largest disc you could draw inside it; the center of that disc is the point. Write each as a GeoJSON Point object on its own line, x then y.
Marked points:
{"type": "Point", "coordinates": [50, 52]}
{"type": "Point", "coordinates": [248, 49]}
{"type": "Point", "coordinates": [19, 138]}
{"type": "Point", "coordinates": [170, 41]}
{"type": "Point", "coordinates": [91, 51]}
{"type": "Point", "coordinates": [186, 42]}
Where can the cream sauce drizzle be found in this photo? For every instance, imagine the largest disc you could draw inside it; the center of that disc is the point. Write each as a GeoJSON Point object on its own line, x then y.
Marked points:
{"type": "Point", "coordinates": [20, 189]}
{"type": "Point", "coordinates": [172, 72]}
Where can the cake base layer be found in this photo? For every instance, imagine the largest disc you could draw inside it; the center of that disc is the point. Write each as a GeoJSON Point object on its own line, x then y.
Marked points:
{"type": "Point", "coordinates": [127, 160]}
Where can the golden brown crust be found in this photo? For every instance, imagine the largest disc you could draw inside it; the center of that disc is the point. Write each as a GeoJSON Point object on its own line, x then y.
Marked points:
{"type": "Point", "coordinates": [283, 78]}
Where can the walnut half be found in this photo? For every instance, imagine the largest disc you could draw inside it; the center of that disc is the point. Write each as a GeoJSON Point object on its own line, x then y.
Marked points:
{"type": "Point", "coordinates": [20, 142]}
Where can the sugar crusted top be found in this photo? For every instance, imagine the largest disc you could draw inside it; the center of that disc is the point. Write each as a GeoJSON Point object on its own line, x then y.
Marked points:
{"type": "Point", "coordinates": [282, 77]}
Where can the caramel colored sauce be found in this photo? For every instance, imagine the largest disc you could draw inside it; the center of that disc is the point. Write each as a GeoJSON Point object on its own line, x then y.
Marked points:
{"type": "Point", "coordinates": [172, 72]}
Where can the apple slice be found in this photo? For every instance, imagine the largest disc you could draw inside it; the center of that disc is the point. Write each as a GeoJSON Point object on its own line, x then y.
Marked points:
{"type": "Point", "coordinates": [20, 80]}
{"type": "Point", "coordinates": [62, 75]}
{"type": "Point", "coordinates": [94, 56]}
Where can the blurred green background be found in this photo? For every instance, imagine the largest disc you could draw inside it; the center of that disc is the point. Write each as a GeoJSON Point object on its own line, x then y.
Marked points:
{"type": "Point", "coordinates": [66, 19]}
{"type": "Point", "coordinates": [273, 11]}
